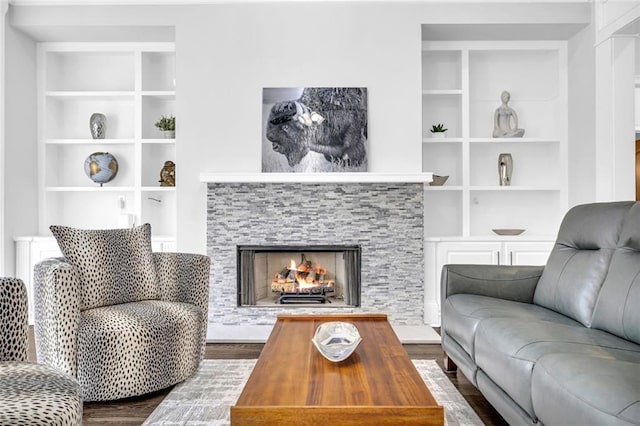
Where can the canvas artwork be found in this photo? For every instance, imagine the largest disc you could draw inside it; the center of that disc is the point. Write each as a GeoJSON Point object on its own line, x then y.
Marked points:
{"type": "Point", "coordinates": [314, 129]}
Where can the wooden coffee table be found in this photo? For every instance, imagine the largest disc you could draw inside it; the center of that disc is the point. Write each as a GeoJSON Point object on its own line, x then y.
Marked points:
{"type": "Point", "coordinates": [292, 383]}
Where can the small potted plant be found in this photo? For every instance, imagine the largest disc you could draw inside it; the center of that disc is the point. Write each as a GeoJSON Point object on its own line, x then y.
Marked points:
{"type": "Point", "coordinates": [167, 125]}
{"type": "Point", "coordinates": [437, 131]}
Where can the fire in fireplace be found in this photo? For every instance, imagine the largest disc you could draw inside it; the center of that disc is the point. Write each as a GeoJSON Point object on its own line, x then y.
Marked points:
{"type": "Point", "coordinates": [301, 275]}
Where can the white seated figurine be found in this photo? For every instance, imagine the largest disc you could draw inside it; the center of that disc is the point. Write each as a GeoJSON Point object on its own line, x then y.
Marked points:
{"type": "Point", "coordinates": [502, 120]}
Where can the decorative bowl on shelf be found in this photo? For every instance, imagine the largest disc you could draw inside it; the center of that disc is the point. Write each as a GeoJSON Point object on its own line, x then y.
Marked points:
{"type": "Point", "coordinates": [438, 180]}
{"type": "Point", "coordinates": [336, 340]}
{"type": "Point", "coordinates": [508, 231]}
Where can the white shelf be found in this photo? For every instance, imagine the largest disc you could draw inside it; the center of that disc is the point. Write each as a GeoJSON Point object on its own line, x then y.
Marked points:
{"type": "Point", "coordinates": [443, 188]}
{"type": "Point", "coordinates": [442, 140]}
{"type": "Point", "coordinates": [512, 188]}
{"type": "Point", "coordinates": [132, 84]}
{"type": "Point", "coordinates": [513, 140]}
{"type": "Point", "coordinates": [90, 95]}
{"type": "Point", "coordinates": [96, 188]}
{"type": "Point", "coordinates": [522, 237]}
{"type": "Point", "coordinates": [461, 86]}
{"type": "Point", "coordinates": [442, 92]}
{"type": "Point", "coordinates": [316, 177]}
{"type": "Point", "coordinates": [161, 141]}
{"type": "Point", "coordinates": [158, 189]}
{"type": "Point", "coordinates": [89, 141]}
{"type": "Point", "coordinates": [161, 94]}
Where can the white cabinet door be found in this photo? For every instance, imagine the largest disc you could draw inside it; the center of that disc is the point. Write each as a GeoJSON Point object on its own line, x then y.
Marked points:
{"type": "Point", "coordinates": [472, 253]}
{"type": "Point", "coordinates": [527, 253]}
{"type": "Point", "coordinates": [476, 253]}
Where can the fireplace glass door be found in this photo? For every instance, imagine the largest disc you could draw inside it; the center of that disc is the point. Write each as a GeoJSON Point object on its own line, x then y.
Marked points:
{"type": "Point", "coordinates": [299, 275]}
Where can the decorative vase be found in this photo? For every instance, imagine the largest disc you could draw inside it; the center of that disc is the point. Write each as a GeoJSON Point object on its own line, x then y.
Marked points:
{"type": "Point", "coordinates": [169, 134]}
{"type": "Point", "coordinates": [98, 125]}
{"type": "Point", "coordinates": [505, 169]}
{"type": "Point", "coordinates": [438, 135]}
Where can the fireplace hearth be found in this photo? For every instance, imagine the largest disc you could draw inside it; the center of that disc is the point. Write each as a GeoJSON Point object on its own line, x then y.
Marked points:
{"type": "Point", "coordinates": [299, 275]}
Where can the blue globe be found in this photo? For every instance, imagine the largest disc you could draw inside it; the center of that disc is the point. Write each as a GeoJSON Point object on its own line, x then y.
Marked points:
{"type": "Point", "coordinates": [101, 167]}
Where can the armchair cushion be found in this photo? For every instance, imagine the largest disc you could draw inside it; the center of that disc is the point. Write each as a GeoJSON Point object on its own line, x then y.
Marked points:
{"type": "Point", "coordinates": [115, 265]}
{"type": "Point", "coordinates": [139, 347]}
{"type": "Point", "coordinates": [36, 394]}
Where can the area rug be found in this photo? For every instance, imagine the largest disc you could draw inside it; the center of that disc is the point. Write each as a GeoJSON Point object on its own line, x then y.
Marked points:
{"type": "Point", "coordinates": [206, 397]}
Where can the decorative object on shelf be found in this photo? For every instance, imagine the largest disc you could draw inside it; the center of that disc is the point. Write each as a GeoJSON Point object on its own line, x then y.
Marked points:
{"type": "Point", "coordinates": [508, 231]}
{"type": "Point", "coordinates": [98, 125]}
{"type": "Point", "coordinates": [438, 131]}
{"type": "Point", "coordinates": [505, 168]}
{"type": "Point", "coordinates": [336, 340]}
{"type": "Point", "coordinates": [315, 129]}
{"type": "Point", "coordinates": [505, 120]}
{"type": "Point", "coordinates": [101, 167]}
{"type": "Point", "coordinates": [438, 180]}
{"type": "Point", "coordinates": [168, 174]}
{"type": "Point", "coordinates": [167, 125]}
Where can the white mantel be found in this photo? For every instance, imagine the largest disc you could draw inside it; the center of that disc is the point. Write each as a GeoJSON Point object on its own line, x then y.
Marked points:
{"type": "Point", "coordinates": [316, 177]}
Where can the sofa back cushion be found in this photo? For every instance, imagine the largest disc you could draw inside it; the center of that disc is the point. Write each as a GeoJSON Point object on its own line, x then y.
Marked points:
{"type": "Point", "coordinates": [617, 309]}
{"type": "Point", "coordinates": [580, 259]}
{"type": "Point", "coordinates": [115, 265]}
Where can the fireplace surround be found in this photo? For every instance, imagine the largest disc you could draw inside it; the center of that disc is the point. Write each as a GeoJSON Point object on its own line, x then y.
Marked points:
{"type": "Point", "coordinates": [386, 219]}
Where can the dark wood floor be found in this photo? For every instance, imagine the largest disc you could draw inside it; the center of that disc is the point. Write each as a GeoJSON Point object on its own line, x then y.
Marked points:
{"type": "Point", "coordinates": [133, 411]}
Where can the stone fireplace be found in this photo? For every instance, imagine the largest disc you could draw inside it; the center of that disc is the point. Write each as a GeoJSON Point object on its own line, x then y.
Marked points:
{"type": "Point", "coordinates": [383, 219]}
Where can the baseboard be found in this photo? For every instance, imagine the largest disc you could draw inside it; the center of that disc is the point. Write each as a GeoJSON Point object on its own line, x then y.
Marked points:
{"type": "Point", "coordinates": [408, 334]}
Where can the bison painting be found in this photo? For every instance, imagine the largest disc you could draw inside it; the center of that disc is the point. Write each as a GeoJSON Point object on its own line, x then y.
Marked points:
{"type": "Point", "coordinates": [315, 129]}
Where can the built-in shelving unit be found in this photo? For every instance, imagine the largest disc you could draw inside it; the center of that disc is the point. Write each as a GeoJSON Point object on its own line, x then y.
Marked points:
{"type": "Point", "coordinates": [461, 87]}
{"type": "Point", "coordinates": [462, 83]}
{"type": "Point", "coordinates": [132, 84]}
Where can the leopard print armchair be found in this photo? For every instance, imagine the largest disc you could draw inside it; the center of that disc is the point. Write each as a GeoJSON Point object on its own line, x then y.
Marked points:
{"type": "Point", "coordinates": [30, 393]}
{"type": "Point", "coordinates": [125, 330]}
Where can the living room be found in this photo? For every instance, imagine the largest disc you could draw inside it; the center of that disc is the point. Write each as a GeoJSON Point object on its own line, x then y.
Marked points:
{"type": "Point", "coordinates": [570, 68]}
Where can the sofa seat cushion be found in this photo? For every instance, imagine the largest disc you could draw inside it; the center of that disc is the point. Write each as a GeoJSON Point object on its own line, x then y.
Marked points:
{"type": "Point", "coordinates": [135, 348]}
{"type": "Point", "coordinates": [507, 349]}
{"type": "Point", "coordinates": [35, 394]}
{"type": "Point", "coordinates": [463, 313]}
{"type": "Point", "coordinates": [596, 391]}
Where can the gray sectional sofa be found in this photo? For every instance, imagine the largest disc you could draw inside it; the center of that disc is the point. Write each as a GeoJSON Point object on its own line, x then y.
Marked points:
{"type": "Point", "coordinates": [556, 344]}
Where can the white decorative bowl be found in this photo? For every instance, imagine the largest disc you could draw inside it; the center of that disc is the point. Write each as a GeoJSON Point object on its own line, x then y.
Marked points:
{"type": "Point", "coordinates": [336, 340]}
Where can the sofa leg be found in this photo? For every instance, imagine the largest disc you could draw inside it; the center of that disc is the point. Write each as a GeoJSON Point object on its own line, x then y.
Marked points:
{"type": "Point", "coordinates": [449, 365]}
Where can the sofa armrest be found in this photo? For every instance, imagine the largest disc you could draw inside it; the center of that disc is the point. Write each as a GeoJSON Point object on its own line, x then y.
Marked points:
{"type": "Point", "coordinates": [57, 314]}
{"type": "Point", "coordinates": [516, 283]}
{"type": "Point", "coordinates": [184, 277]}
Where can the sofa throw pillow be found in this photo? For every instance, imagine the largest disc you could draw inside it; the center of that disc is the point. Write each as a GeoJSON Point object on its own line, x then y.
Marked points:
{"type": "Point", "coordinates": [115, 265]}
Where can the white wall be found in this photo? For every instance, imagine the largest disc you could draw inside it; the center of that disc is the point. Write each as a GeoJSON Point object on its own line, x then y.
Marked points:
{"type": "Point", "coordinates": [220, 86]}
{"type": "Point", "coordinates": [226, 53]}
{"type": "Point", "coordinates": [20, 133]}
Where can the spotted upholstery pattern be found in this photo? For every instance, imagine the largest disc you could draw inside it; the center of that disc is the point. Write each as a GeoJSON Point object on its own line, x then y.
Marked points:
{"type": "Point", "coordinates": [115, 265]}
{"type": "Point", "coordinates": [34, 394]}
{"type": "Point", "coordinates": [152, 344]}
{"type": "Point", "coordinates": [13, 317]}
{"type": "Point", "coordinates": [124, 349]}
{"type": "Point", "coordinates": [30, 394]}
